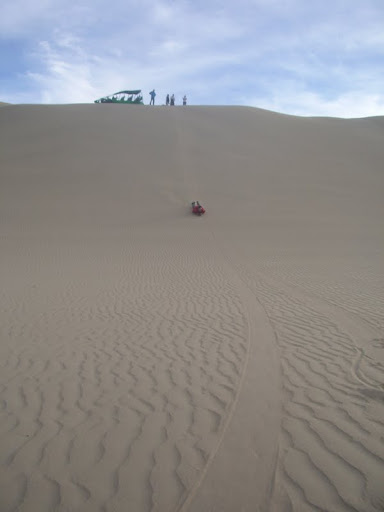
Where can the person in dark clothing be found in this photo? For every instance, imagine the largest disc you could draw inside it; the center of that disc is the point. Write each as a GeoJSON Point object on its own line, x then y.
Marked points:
{"type": "Point", "coordinates": [167, 100]}
{"type": "Point", "coordinates": [184, 100]}
{"type": "Point", "coordinates": [172, 99]}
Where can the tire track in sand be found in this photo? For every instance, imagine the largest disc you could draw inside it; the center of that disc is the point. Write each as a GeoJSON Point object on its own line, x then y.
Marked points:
{"type": "Point", "coordinates": [232, 479]}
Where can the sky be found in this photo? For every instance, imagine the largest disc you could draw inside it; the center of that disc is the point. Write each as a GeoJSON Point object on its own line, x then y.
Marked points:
{"type": "Point", "coordinates": [300, 57]}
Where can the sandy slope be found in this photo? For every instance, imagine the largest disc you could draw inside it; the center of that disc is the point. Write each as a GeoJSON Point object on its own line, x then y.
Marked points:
{"type": "Point", "coordinates": [151, 360]}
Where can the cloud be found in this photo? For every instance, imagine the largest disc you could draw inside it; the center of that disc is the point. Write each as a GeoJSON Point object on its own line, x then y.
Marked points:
{"type": "Point", "coordinates": [301, 102]}
{"type": "Point", "coordinates": [66, 72]}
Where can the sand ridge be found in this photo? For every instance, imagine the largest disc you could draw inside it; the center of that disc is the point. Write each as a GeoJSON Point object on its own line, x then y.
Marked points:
{"type": "Point", "coordinates": [154, 361]}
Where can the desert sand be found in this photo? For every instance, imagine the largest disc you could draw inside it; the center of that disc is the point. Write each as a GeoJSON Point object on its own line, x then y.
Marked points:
{"type": "Point", "coordinates": [156, 361]}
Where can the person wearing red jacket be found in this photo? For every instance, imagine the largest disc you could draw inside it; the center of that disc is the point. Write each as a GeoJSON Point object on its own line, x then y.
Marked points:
{"type": "Point", "coordinates": [197, 209]}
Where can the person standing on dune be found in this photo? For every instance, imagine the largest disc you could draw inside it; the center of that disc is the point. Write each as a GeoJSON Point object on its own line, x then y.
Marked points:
{"type": "Point", "coordinates": [153, 95]}
{"type": "Point", "coordinates": [167, 100]}
{"type": "Point", "coordinates": [184, 100]}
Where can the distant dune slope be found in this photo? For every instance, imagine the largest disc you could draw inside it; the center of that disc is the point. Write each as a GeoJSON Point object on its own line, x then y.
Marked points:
{"type": "Point", "coordinates": [156, 361]}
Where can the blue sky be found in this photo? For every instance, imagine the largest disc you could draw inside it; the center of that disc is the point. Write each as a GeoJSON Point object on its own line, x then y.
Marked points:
{"type": "Point", "coordinates": [302, 57]}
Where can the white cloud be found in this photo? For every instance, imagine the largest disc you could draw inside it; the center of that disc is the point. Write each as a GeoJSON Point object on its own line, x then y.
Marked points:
{"type": "Point", "coordinates": [306, 103]}
{"type": "Point", "coordinates": [63, 77]}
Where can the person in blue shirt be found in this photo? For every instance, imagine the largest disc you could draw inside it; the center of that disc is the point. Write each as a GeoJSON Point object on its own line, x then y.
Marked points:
{"type": "Point", "coordinates": [153, 95]}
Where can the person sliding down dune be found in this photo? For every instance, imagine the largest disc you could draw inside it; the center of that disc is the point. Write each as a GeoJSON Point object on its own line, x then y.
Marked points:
{"type": "Point", "coordinates": [197, 209]}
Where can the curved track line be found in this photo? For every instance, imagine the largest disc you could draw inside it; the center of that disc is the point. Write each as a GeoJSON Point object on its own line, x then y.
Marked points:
{"type": "Point", "coordinates": [273, 483]}
{"type": "Point", "coordinates": [249, 486]}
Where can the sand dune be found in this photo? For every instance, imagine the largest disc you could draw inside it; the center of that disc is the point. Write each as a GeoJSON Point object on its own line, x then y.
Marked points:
{"type": "Point", "coordinates": [154, 361]}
